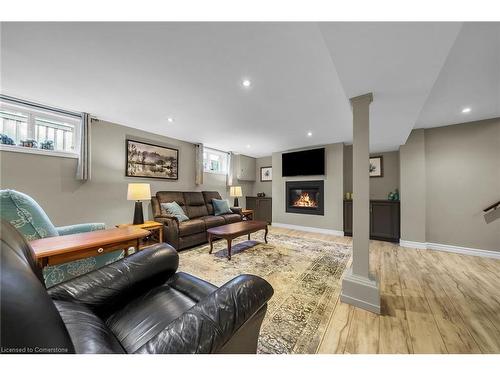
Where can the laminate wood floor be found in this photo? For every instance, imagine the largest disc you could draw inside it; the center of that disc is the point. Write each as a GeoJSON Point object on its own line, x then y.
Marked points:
{"type": "Point", "coordinates": [432, 302]}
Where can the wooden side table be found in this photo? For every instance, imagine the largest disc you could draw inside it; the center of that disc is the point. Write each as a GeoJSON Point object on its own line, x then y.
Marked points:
{"type": "Point", "coordinates": [152, 226]}
{"type": "Point", "coordinates": [62, 249]}
{"type": "Point", "coordinates": [247, 214]}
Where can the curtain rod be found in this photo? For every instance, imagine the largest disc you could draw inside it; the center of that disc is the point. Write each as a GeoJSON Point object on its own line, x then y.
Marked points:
{"type": "Point", "coordinates": [211, 148]}
{"type": "Point", "coordinates": [39, 106]}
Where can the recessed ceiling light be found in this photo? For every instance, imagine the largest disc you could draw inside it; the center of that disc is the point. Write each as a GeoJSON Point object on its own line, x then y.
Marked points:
{"type": "Point", "coordinates": [170, 119]}
{"type": "Point", "coordinates": [248, 146]}
{"type": "Point", "coordinates": [309, 134]}
{"type": "Point", "coordinates": [466, 110]}
{"type": "Point", "coordinates": [246, 83]}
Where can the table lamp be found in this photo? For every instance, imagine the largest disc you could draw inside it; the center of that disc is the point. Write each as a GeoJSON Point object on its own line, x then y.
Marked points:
{"type": "Point", "coordinates": [235, 191]}
{"type": "Point", "coordinates": [138, 193]}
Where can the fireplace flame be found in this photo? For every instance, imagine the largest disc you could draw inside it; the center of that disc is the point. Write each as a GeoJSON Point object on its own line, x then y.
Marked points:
{"type": "Point", "coordinates": [305, 201]}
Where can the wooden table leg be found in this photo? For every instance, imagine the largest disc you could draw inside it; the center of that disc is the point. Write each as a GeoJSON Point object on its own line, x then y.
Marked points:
{"type": "Point", "coordinates": [265, 235]}
{"type": "Point", "coordinates": [210, 242]}
{"type": "Point", "coordinates": [248, 236]}
{"type": "Point", "coordinates": [229, 240]}
{"type": "Point", "coordinates": [43, 262]}
{"type": "Point", "coordinates": [160, 235]}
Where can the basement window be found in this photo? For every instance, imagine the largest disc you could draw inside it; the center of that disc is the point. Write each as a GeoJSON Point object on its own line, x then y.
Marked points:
{"type": "Point", "coordinates": [214, 161]}
{"type": "Point", "coordinates": [34, 130]}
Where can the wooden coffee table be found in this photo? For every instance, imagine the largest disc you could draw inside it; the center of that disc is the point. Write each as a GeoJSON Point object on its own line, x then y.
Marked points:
{"type": "Point", "coordinates": [231, 231]}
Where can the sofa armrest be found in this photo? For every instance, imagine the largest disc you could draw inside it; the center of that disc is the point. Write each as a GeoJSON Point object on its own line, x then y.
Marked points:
{"type": "Point", "coordinates": [214, 320]}
{"type": "Point", "coordinates": [120, 281]}
{"type": "Point", "coordinates": [79, 228]}
{"type": "Point", "coordinates": [165, 219]}
{"type": "Point", "coordinates": [237, 210]}
{"type": "Point", "coordinates": [190, 285]}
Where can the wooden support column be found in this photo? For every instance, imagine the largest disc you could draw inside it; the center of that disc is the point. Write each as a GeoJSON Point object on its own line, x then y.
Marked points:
{"type": "Point", "coordinates": [359, 288]}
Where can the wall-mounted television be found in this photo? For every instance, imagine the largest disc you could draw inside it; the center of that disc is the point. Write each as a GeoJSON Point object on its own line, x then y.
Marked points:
{"type": "Point", "coordinates": [303, 163]}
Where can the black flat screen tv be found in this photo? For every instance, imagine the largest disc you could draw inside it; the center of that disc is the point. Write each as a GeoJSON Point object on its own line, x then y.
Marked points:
{"type": "Point", "coordinates": [303, 163]}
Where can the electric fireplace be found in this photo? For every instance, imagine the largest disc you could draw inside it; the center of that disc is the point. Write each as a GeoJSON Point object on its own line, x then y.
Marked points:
{"type": "Point", "coordinates": [305, 197]}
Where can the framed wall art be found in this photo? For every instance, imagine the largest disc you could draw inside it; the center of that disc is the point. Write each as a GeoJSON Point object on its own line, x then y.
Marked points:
{"type": "Point", "coordinates": [266, 174]}
{"type": "Point", "coordinates": [151, 161]}
{"type": "Point", "coordinates": [376, 166]}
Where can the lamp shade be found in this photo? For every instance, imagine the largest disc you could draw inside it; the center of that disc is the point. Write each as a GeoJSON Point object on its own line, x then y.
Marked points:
{"type": "Point", "coordinates": [138, 192]}
{"type": "Point", "coordinates": [235, 191]}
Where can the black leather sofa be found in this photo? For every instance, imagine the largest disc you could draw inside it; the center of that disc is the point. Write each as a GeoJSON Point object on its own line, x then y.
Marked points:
{"type": "Point", "coordinates": [139, 304]}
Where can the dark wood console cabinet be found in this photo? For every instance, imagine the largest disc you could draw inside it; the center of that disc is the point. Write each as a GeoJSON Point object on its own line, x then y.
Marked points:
{"type": "Point", "coordinates": [262, 208]}
{"type": "Point", "coordinates": [384, 220]}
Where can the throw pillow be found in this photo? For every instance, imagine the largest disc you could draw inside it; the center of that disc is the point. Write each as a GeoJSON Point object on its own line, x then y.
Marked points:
{"type": "Point", "coordinates": [221, 207]}
{"type": "Point", "coordinates": [174, 209]}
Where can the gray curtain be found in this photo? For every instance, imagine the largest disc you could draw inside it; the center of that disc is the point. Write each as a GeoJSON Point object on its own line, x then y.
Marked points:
{"type": "Point", "coordinates": [230, 168]}
{"type": "Point", "coordinates": [83, 168]}
{"type": "Point", "coordinates": [199, 164]}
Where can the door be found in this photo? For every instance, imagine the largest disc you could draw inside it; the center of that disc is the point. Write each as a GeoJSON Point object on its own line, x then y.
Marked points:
{"type": "Point", "coordinates": [384, 220]}
{"type": "Point", "coordinates": [266, 206]}
{"type": "Point", "coordinates": [251, 203]}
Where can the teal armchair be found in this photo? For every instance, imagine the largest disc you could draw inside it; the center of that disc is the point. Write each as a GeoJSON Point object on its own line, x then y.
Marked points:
{"type": "Point", "coordinates": [79, 228]}
{"type": "Point", "coordinates": [26, 215]}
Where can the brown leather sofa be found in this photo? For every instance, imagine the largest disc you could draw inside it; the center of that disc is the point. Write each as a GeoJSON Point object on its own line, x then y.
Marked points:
{"type": "Point", "coordinates": [198, 207]}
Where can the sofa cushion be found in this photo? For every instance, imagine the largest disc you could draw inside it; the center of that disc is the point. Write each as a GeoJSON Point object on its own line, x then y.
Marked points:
{"type": "Point", "coordinates": [191, 227]}
{"type": "Point", "coordinates": [208, 196]}
{"type": "Point", "coordinates": [195, 205]}
{"type": "Point", "coordinates": [213, 221]}
{"type": "Point", "coordinates": [145, 317]}
{"type": "Point", "coordinates": [171, 196]}
{"type": "Point", "coordinates": [88, 332]}
{"type": "Point", "coordinates": [231, 218]}
{"type": "Point", "coordinates": [221, 207]}
{"type": "Point", "coordinates": [172, 208]}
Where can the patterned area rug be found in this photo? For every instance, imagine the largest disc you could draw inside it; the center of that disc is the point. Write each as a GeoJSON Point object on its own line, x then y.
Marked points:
{"type": "Point", "coordinates": [305, 275]}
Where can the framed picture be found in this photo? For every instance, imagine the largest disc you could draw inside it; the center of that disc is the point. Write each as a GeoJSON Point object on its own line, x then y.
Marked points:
{"type": "Point", "coordinates": [266, 174]}
{"type": "Point", "coordinates": [376, 166]}
{"type": "Point", "coordinates": [151, 161]}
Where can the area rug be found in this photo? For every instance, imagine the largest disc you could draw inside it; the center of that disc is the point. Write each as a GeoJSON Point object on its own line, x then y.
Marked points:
{"type": "Point", "coordinates": [305, 275]}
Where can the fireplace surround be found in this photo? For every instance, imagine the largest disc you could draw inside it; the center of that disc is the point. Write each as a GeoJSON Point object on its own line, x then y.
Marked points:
{"type": "Point", "coordinates": [305, 197]}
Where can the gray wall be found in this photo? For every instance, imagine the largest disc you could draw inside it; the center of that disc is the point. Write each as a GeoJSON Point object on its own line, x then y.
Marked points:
{"type": "Point", "coordinates": [463, 178]}
{"type": "Point", "coordinates": [247, 187]}
{"type": "Point", "coordinates": [448, 176]}
{"type": "Point", "coordinates": [413, 197]}
{"type": "Point", "coordinates": [267, 186]}
{"type": "Point", "coordinates": [51, 180]}
{"type": "Point", "coordinates": [333, 192]}
{"type": "Point", "coordinates": [379, 186]}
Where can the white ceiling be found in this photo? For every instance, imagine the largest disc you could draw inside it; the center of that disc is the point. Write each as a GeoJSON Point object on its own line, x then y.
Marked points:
{"type": "Point", "coordinates": [398, 62]}
{"type": "Point", "coordinates": [139, 74]}
{"type": "Point", "coordinates": [469, 78]}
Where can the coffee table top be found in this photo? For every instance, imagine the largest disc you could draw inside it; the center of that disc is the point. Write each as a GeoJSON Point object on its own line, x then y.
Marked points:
{"type": "Point", "coordinates": [241, 227]}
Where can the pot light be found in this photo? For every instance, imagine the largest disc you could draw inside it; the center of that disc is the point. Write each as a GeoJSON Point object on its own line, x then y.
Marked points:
{"type": "Point", "coordinates": [466, 110]}
{"type": "Point", "coordinates": [170, 119]}
{"type": "Point", "coordinates": [246, 83]}
{"type": "Point", "coordinates": [309, 134]}
{"type": "Point", "coordinates": [248, 146]}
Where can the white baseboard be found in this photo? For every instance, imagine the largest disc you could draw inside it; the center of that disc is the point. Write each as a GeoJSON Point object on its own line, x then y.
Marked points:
{"type": "Point", "coordinates": [309, 229]}
{"type": "Point", "coordinates": [413, 244]}
{"type": "Point", "coordinates": [450, 249]}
